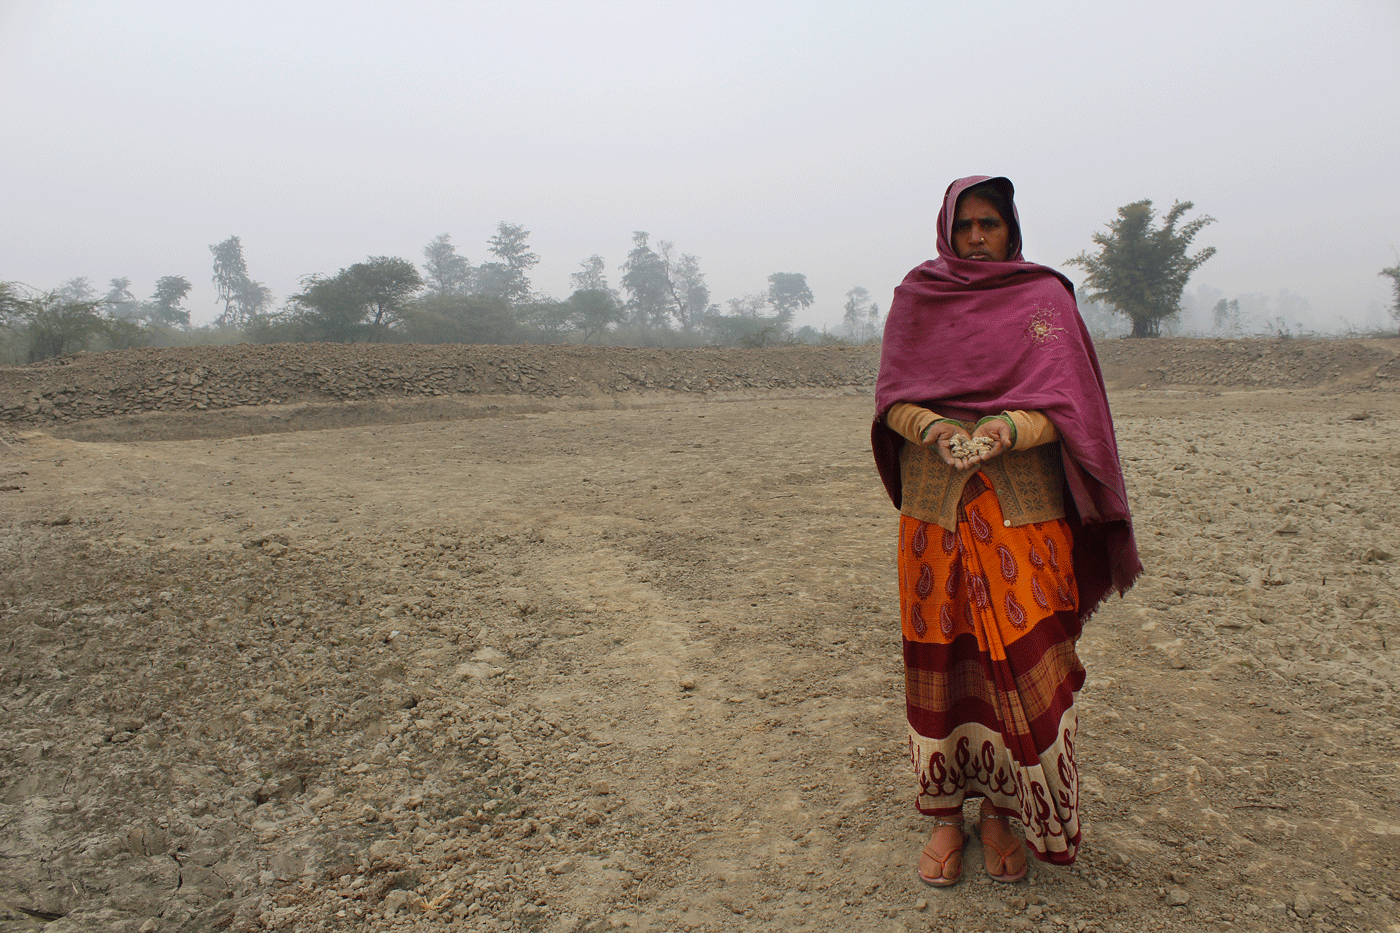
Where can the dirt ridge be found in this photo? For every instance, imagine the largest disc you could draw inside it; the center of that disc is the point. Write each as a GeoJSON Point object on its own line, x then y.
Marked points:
{"type": "Point", "coordinates": [275, 388]}
{"type": "Point", "coordinates": [134, 382]}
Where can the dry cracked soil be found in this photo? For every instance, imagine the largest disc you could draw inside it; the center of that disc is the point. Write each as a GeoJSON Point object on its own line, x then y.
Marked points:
{"type": "Point", "coordinates": [601, 666]}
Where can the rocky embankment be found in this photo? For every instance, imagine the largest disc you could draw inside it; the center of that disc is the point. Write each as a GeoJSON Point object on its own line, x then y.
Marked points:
{"type": "Point", "coordinates": [373, 378]}
{"type": "Point", "coordinates": [1255, 363]}
{"type": "Point", "coordinates": [303, 386]}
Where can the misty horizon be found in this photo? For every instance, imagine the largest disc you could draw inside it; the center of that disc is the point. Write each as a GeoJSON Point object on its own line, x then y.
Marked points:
{"type": "Point", "coordinates": [805, 138]}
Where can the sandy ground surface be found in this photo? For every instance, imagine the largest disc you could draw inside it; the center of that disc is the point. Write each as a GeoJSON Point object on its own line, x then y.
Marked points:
{"type": "Point", "coordinates": [639, 668]}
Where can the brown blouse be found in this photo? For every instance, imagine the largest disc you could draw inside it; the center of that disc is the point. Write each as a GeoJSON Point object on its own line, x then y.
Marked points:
{"type": "Point", "coordinates": [1029, 479]}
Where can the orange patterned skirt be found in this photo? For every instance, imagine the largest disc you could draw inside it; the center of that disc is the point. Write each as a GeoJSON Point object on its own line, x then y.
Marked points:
{"type": "Point", "coordinates": [990, 618]}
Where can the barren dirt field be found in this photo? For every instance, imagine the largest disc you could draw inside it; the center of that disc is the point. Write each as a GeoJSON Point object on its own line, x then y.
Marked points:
{"type": "Point", "coordinates": [583, 654]}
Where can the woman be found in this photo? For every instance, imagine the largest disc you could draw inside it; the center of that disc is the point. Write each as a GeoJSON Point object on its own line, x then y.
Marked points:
{"type": "Point", "coordinates": [993, 438]}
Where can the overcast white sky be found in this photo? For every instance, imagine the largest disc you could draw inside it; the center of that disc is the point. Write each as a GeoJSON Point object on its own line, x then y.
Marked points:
{"type": "Point", "coordinates": [813, 137]}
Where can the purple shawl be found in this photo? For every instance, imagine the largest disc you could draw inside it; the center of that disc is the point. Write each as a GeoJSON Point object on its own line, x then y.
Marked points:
{"type": "Point", "coordinates": [970, 338]}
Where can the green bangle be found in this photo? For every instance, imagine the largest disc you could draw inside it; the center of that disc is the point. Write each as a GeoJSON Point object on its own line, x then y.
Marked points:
{"type": "Point", "coordinates": [1004, 416]}
{"type": "Point", "coordinates": [923, 435]}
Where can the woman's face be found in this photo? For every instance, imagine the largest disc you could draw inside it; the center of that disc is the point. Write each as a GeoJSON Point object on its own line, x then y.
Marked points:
{"type": "Point", "coordinates": [979, 232]}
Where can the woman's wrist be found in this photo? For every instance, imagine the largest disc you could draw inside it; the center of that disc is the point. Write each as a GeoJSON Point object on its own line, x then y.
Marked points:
{"type": "Point", "coordinates": [1004, 416]}
{"type": "Point", "coordinates": [923, 435]}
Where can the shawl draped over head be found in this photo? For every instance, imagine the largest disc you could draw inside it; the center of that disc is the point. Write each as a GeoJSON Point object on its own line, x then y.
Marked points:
{"type": "Point", "coordinates": [969, 338]}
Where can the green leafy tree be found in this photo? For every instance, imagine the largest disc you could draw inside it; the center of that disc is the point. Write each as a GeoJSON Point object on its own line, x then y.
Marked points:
{"type": "Point", "coordinates": [511, 247]}
{"type": "Point", "coordinates": [230, 273]}
{"type": "Point", "coordinates": [79, 289]}
{"type": "Point", "coordinates": [445, 271]}
{"type": "Point", "coordinates": [56, 325]}
{"type": "Point", "coordinates": [119, 302]}
{"type": "Point", "coordinates": [125, 333]}
{"type": "Point", "coordinates": [492, 280]}
{"type": "Point", "coordinates": [746, 324]}
{"type": "Point", "coordinates": [165, 305]}
{"type": "Point", "coordinates": [1393, 273]}
{"type": "Point", "coordinates": [254, 298]}
{"type": "Point", "coordinates": [547, 317]}
{"type": "Point", "coordinates": [460, 319]}
{"type": "Point", "coordinates": [359, 302]}
{"type": "Point", "coordinates": [690, 296]}
{"type": "Point", "coordinates": [593, 310]}
{"type": "Point", "coordinates": [645, 281]}
{"type": "Point", "coordinates": [386, 283]}
{"type": "Point", "coordinates": [243, 298]}
{"type": "Point", "coordinates": [1141, 269]}
{"type": "Point", "coordinates": [330, 308]}
{"type": "Point", "coordinates": [591, 275]}
{"type": "Point", "coordinates": [788, 291]}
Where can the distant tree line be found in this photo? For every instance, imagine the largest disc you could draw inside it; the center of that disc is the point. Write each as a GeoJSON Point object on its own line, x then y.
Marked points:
{"type": "Point", "coordinates": [1135, 278]}
{"type": "Point", "coordinates": [40, 325]}
{"type": "Point", "coordinates": [661, 300]}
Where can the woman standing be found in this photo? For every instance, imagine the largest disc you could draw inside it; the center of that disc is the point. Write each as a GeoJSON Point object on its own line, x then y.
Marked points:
{"type": "Point", "coordinates": [994, 440]}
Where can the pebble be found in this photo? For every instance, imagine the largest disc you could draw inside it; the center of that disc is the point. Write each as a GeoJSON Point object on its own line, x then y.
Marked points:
{"type": "Point", "coordinates": [964, 447]}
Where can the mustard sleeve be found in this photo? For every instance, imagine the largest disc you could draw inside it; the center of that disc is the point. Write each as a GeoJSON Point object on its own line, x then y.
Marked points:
{"type": "Point", "coordinates": [909, 420]}
{"type": "Point", "coordinates": [1032, 429]}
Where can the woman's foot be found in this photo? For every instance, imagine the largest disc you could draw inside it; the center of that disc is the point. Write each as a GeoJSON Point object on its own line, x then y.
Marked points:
{"type": "Point", "coordinates": [1002, 850]}
{"type": "Point", "coordinates": [941, 862]}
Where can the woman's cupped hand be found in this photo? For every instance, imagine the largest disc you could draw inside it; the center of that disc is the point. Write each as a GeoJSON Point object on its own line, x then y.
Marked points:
{"type": "Point", "coordinates": [941, 437]}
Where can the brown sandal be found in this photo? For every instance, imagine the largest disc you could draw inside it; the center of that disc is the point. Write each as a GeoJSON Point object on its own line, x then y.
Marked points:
{"type": "Point", "coordinates": [1003, 853]}
{"type": "Point", "coordinates": [941, 866]}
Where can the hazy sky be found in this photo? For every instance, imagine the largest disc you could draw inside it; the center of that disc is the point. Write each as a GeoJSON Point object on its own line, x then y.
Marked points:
{"type": "Point", "coordinates": [813, 137]}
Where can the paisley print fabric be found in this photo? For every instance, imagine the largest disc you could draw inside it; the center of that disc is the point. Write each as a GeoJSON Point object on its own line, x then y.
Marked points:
{"type": "Point", "coordinates": [916, 618]}
{"type": "Point", "coordinates": [924, 586]}
{"type": "Point", "coordinates": [1038, 592]}
{"type": "Point", "coordinates": [1008, 563]}
{"type": "Point", "coordinates": [990, 689]}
